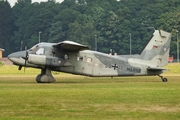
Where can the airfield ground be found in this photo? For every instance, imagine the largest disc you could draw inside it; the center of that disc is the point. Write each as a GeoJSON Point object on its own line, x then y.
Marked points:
{"type": "Point", "coordinates": [79, 97]}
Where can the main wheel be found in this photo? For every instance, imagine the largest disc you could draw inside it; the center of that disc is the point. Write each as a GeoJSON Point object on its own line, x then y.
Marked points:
{"type": "Point", "coordinates": [38, 78]}
{"type": "Point", "coordinates": [45, 78]}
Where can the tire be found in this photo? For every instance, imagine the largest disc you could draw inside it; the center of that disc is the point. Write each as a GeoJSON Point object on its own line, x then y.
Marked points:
{"type": "Point", "coordinates": [164, 80]}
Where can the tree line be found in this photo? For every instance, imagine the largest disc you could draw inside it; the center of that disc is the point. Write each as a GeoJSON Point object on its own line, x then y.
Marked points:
{"type": "Point", "coordinates": [111, 22]}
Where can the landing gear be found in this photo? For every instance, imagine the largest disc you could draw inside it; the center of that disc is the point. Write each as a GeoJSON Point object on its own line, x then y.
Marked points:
{"type": "Point", "coordinates": [45, 76]}
{"type": "Point", "coordinates": [163, 79]}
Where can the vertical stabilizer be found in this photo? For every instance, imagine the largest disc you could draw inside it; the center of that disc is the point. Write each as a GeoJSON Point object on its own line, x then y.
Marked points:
{"type": "Point", "coordinates": [157, 49]}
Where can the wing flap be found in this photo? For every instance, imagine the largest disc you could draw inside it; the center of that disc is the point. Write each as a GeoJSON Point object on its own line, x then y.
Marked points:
{"type": "Point", "coordinates": [71, 46]}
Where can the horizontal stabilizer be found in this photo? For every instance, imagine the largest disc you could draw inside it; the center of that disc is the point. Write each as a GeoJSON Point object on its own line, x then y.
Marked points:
{"type": "Point", "coordinates": [71, 46]}
{"type": "Point", "coordinates": [156, 69]}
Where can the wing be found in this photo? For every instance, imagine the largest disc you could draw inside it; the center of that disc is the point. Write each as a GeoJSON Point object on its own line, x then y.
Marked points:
{"type": "Point", "coordinates": [71, 46]}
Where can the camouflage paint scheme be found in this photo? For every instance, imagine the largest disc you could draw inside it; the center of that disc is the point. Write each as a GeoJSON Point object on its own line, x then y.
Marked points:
{"type": "Point", "coordinates": [75, 58]}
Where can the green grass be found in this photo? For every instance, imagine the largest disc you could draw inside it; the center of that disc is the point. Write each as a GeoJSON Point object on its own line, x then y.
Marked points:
{"type": "Point", "coordinates": [78, 97]}
{"type": "Point", "coordinates": [173, 68]}
{"type": "Point", "coordinates": [13, 70]}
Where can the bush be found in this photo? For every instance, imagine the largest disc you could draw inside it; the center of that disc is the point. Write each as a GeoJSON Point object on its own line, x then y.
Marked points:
{"type": "Point", "coordinates": [1, 63]}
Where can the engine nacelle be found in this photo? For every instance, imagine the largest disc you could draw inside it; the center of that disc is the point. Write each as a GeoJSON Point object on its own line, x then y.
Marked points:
{"type": "Point", "coordinates": [45, 60]}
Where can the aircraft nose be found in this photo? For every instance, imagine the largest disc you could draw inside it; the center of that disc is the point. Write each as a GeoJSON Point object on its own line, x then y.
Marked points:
{"type": "Point", "coordinates": [16, 57]}
{"type": "Point", "coordinates": [11, 56]}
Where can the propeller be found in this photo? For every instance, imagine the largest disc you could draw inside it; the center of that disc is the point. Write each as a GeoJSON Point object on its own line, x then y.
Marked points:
{"type": "Point", "coordinates": [25, 58]}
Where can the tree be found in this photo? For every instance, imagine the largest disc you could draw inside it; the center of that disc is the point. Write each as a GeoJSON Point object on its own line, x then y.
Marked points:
{"type": "Point", "coordinates": [5, 26]}
{"type": "Point", "coordinates": [170, 21]}
{"type": "Point", "coordinates": [33, 19]}
{"type": "Point", "coordinates": [82, 30]}
{"type": "Point", "coordinates": [111, 21]}
{"type": "Point", "coordinates": [60, 26]}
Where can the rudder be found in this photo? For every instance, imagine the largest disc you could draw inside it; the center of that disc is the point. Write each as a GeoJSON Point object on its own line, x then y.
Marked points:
{"type": "Point", "coordinates": [157, 49]}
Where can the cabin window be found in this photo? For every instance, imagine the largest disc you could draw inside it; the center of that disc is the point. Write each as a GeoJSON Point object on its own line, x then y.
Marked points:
{"type": "Point", "coordinates": [89, 60]}
{"type": "Point", "coordinates": [80, 58]}
{"type": "Point", "coordinates": [40, 51]}
{"type": "Point", "coordinates": [66, 56]}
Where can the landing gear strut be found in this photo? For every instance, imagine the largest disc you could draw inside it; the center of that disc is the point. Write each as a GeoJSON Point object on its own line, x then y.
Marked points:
{"type": "Point", "coordinates": [163, 79]}
{"type": "Point", "coordinates": [45, 76]}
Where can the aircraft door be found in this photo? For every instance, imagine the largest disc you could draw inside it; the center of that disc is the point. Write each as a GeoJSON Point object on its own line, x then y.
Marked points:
{"type": "Point", "coordinates": [88, 60]}
{"type": "Point", "coordinates": [78, 64]}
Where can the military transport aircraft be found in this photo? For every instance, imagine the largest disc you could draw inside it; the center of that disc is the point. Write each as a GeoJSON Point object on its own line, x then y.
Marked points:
{"type": "Point", "coordinates": [75, 58]}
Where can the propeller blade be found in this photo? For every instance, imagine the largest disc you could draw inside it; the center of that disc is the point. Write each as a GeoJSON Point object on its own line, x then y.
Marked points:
{"type": "Point", "coordinates": [20, 67]}
{"type": "Point", "coordinates": [24, 69]}
{"type": "Point", "coordinates": [25, 58]}
{"type": "Point", "coordinates": [25, 66]}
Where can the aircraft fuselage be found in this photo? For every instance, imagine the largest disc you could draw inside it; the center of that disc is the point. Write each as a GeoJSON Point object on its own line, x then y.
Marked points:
{"type": "Point", "coordinates": [75, 58]}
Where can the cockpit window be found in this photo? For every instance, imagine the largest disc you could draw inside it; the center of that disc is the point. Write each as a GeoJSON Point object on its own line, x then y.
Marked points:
{"type": "Point", "coordinates": [40, 51]}
{"type": "Point", "coordinates": [34, 48]}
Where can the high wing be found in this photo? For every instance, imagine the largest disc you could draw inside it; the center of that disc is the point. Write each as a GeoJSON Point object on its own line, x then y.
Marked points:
{"type": "Point", "coordinates": [71, 46]}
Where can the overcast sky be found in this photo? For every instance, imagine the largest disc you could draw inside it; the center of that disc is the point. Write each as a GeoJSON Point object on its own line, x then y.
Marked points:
{"type": "Point", "coordinates": [12, 2]}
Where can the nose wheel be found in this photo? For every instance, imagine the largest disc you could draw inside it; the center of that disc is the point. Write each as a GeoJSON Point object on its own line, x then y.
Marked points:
{"type": "Point", "coordinates": [163, 79]}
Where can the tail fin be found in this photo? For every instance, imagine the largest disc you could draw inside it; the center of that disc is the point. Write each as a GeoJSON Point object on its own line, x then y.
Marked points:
{"type": "Point", "coordinates": [157, 50]}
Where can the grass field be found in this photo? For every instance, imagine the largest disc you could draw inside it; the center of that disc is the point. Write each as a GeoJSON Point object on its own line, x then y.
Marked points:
{"type": "Point", "coordinates": [78, 97]}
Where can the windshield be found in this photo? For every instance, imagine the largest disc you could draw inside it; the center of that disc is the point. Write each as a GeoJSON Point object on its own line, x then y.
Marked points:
{"type": "Point", "coordinates": [40, 51]}
{"type": "Point", "coordinates": [34, 48]}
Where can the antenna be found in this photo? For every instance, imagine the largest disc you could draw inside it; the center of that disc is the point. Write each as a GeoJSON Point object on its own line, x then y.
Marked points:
{"type": "Point", "coordinates": [152, 28]}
